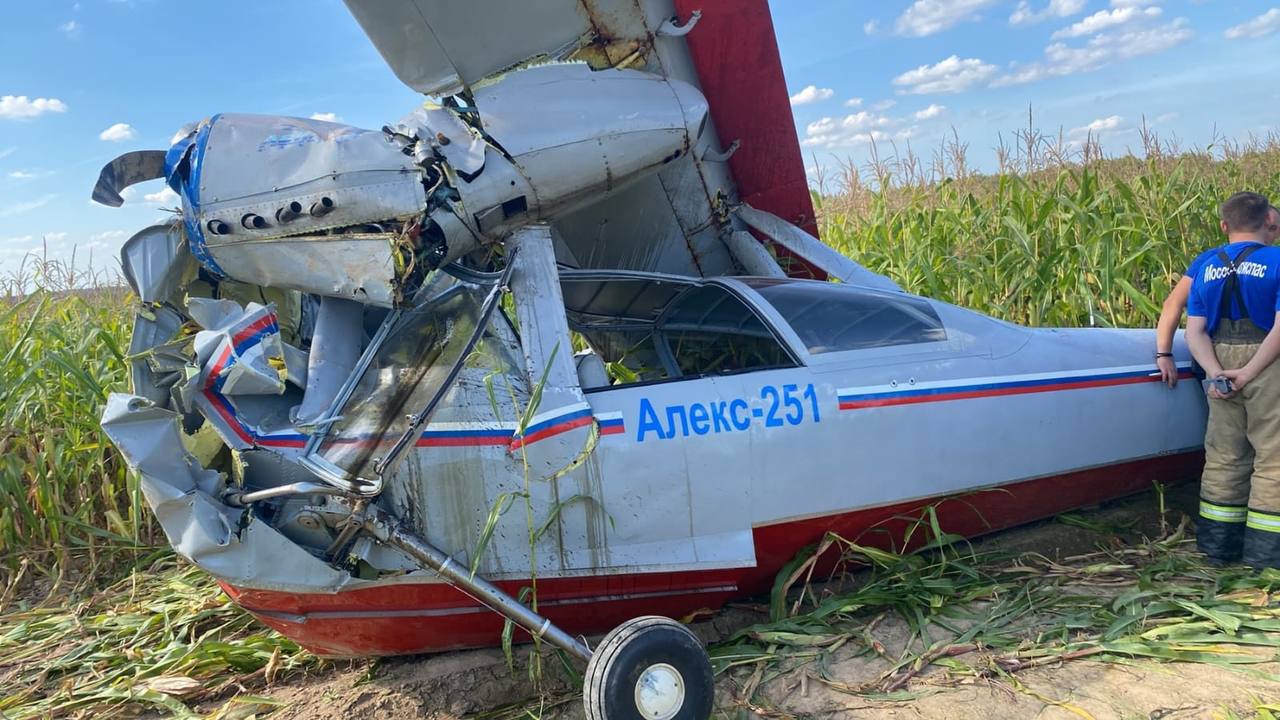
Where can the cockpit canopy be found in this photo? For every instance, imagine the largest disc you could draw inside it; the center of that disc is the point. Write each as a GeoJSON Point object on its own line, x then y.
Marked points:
{"type": "Point", "coordinates": [649, 328]}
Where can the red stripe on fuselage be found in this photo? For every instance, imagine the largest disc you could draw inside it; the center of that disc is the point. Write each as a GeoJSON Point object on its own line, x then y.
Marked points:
{"type": "Point", "coordinates": [552, 430]}
{"type": "Point", "coordinates": [429, 617]}
{"type": "Point", "coordinates": [995, 392]}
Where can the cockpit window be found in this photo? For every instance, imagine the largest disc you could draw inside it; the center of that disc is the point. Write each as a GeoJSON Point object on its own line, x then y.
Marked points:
{"type": "Point", "coordinates": [649, 329]}
{"type": "Point", "coordinates": [830, 318]}
{"type": "Point", "coordinates": [711, 332]}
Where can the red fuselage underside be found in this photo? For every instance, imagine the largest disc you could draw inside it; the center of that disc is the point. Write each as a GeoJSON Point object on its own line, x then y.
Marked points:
{"type": "Point", "coordinates": [431, 617]}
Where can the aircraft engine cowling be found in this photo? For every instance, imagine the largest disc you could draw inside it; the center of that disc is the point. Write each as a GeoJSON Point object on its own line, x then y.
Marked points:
{"type": "Point", "coordinates": [340, 211]}
{"type": "Point", "coordinates": [310, 205]}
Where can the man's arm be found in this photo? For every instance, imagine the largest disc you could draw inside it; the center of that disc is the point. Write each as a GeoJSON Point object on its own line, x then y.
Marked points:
{"type": "Point", "coordinates": [1201, 346]}
{"type": "Point", "coordinates": [1167, 326]}
{"type": "Point", "coordinates": [1267, 352]}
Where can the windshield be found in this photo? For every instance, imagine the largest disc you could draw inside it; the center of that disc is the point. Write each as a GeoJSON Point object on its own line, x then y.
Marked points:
{"type": "Point", "coordinates": [404, 376]}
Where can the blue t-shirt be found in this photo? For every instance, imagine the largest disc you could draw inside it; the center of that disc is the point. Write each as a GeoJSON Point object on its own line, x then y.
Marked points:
{"type": "Point", "coordinates": [1259, 278]}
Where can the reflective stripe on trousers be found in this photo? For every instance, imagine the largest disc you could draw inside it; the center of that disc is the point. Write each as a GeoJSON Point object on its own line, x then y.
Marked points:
{"type": "Point", "coordinates": [1223, 513]}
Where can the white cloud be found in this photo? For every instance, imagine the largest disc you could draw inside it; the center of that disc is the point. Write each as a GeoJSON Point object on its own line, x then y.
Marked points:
{"type": "Point", "coordinates": [812, 94]}
{"type": "Point", "coordinates": [1265, 24]}
{"type": "Point", "coordinates": [853, 102]}
{"type": "Point", "coordinates": [6, 152]}
{"type": "Point", "coordinates": [22, 175]}
{"type": "Point", "coordinates": [870, 27]}
{"type": "Point", "coordinates": [20, 107]}
{"type": "Point", "coordinates": [1101, 50]}
{"type": "Point", "coordinates": [1166, 118]}
{"type": "Point", "coordinates": [327, 117]}
{"type": "Point", "coordinates": [1024, 15]}
{"type": "Point", "coordinates": [22, 207]}
{"type": "Point", "coordinates": [884, 105]}
{"type": "Point", "coordinates": [926, 17]}
{"type": "Point", "coordinates": [118, 133]}
{"type": "Point", "coordinates": [56, 237]}
{"type": "Point", "coordinates": [952, 75]}
{"type": "Point", "coordinates": [852, 129]}
{"type": "Point", "coordinates": [1097, 127]}
{"type": "Point", "coordinates": [70, 27]}
{"type": "Point", "coordinates": [932, 111]}
{"type": "Point", "coordinates": [164, 196]}
{"type": "Point", "coordinates": [107, 235]}
{"type": "Point", "coordinates": [1104, 19]}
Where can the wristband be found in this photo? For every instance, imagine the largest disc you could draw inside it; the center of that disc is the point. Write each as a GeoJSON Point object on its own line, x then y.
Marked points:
{"type": "Point", "coordinates": [1163, 354]}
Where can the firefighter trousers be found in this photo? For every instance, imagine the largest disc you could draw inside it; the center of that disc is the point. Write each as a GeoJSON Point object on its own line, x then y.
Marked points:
{"type": "Point", "coordinates": [1240, 487]}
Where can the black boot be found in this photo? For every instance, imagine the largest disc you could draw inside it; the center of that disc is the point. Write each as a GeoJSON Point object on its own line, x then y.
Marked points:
{"type": "Point", "coordinates": [1221, 536]}
{"type": "Point", "coordinates": [1262, 540]}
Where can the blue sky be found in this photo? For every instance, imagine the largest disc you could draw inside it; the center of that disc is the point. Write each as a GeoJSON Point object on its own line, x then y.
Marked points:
{"type": "Point", "coordinates": [81, 82]}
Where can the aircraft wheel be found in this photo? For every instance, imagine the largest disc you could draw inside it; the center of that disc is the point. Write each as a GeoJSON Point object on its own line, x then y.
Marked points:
{"type": "Point", "coordinates": [649, 668]}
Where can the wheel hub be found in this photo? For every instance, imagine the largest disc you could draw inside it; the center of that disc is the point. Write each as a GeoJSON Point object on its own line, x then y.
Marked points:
{"type": "Point", "coordinates": [659, 692]}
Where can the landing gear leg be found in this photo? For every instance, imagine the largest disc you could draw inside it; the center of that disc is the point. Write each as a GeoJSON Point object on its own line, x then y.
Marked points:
{"type": "Point", "coordinates": [648, 668]}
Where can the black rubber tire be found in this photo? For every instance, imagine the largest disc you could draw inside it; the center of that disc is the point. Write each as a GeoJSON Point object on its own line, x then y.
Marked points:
{"type": "Point", "coordinates": [628, 650]}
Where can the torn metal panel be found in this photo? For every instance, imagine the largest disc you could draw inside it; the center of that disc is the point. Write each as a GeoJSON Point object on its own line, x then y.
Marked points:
{"type": "Point", "coordinates": [813, 250]}
{"type": "Point", "coordinates": [155, 261]}
{"type": "Point", "coordinates": [153, 369]}
{"type": "Point", "coordinates": [364, 267]}
{"type": "Point", "coordinates": [240, 354]}
{"type": "Point", "coordinates": [439, 129]}
{"type": "Point", "coordinates": [335, 350]}
{"type": "Point", "coordinates": [205, 531]}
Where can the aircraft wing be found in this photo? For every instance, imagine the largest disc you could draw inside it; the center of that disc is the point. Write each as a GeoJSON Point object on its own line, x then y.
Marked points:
{"type": "Point", "coordinates": [676, 221]}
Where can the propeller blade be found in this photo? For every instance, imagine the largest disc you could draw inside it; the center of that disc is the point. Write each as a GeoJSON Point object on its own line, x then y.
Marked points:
{"type": "Point", "coordinates": [128, 169]}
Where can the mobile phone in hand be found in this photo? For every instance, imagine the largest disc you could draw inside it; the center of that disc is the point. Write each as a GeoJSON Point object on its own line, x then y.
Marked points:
{"type": "Point", "coordinates": [1223, 385]}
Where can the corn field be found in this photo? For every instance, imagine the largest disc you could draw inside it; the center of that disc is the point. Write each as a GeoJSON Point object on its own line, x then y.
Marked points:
{"type": "Point", "coordinates": [1053, 239]}
{"type": "Point", "coordinates": [1097, 242]}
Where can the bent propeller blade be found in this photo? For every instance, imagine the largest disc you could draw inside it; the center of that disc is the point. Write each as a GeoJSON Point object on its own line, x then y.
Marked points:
{"type": "Point", "coordinates": [130, 168]}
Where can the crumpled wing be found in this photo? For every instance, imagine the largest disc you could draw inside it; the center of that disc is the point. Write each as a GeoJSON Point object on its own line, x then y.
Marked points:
{"type": "Point", "coordinates": [439, 48]}
{"type": "Point", "coordinates": [130, 168]}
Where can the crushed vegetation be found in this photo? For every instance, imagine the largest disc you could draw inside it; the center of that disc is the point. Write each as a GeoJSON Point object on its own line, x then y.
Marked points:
{"type": "Point", "coordinates": [165, 640]}
{"type": "Point", "coordinates": [990, 615]}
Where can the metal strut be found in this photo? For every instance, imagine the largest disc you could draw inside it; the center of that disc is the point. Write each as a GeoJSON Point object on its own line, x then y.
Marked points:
{"type": "Point", "coordinates": [483, 591]}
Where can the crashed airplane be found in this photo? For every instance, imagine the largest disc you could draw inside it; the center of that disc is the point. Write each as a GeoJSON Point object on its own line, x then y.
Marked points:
{"type": "Point", "coordinates": [570, 321]}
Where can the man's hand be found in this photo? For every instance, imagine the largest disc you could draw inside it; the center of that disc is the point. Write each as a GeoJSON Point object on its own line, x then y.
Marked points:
{"type": "Point", "coordinates": [1238, 377]}
{"type": "Point", "coordinates": [1168, 371]}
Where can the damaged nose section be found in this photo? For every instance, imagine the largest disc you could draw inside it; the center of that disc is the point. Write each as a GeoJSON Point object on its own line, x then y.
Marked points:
{"type": "Point", "coordinates": [317, 207]}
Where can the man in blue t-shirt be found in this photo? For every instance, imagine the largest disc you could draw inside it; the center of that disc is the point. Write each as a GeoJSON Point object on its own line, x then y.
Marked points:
{"type": "Point", "coordinates": [1176, 302]}
{"type": "Point", "coordinates": [1232, 314]}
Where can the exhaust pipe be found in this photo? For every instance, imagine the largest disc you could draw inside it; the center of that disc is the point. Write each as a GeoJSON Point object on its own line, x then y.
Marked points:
{"type": "Point", "coordinates": [253, 222]}
{"type": "Point", "coordinates": [289, 213]}
{"type": "Point", "coordinates": [321, 208]}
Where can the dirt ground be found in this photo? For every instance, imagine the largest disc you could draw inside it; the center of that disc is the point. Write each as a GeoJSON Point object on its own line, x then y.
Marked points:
{"type": "Point", "coordinates": [467, 684]}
